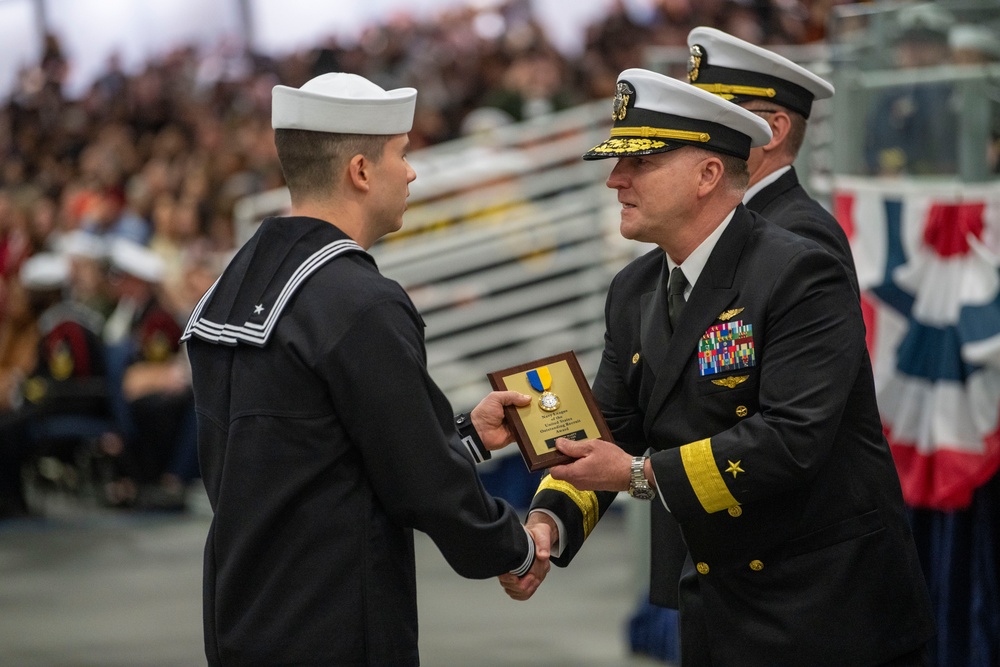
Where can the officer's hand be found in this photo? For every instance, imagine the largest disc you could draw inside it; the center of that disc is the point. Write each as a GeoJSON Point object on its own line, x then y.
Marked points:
{"type": "Point", "coordinates": [599, 465]}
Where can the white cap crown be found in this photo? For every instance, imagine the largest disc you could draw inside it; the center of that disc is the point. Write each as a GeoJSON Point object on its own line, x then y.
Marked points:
{"type": "Point", "coordinates": [44, 271]}
{"type": "Point", "coordinates": [137, 260]}
{"type": "Point", "coordinates": [344, 103]}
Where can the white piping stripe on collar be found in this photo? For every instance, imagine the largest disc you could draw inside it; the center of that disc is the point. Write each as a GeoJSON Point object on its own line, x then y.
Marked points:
{"type": "Point", "coordinates": [196, 313]}
{"type": "Point", "coordinates": [257, 334]}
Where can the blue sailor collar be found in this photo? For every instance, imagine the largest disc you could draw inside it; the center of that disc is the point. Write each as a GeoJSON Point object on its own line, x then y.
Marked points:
{"type": "Point", "coordinates": [245, 303]}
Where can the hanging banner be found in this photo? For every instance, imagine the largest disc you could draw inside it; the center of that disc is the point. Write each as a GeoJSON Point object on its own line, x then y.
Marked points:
{"type": "Point", "coordinates": [927, 255]}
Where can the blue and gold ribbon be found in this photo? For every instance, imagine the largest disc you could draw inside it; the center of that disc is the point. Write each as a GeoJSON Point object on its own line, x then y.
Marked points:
{"type": "Point", "coordinates": [540, 379]}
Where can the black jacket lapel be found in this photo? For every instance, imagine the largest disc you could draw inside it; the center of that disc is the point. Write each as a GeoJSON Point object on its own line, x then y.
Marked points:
{"type": "Point", "coordinates": [711, 295]}
{"type": "Point", "coordinates": [654, 327]}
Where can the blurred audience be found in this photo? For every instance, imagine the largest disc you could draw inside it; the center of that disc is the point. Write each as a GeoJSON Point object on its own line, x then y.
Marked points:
{"type": "Point", "coordinates": [64, 396]}
{"type": "Point", "coordinates": [977, 45]}
{"type": "Point", "coordinates": [911, 127]}
{"type": "Point", "coordinates": [155, 407]}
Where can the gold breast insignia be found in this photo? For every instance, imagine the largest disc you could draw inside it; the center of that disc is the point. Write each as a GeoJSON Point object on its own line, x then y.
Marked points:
{"type": "Point", "coordinates": [731, 381]}
{"type": "Point", "coordinates": [730, 314]}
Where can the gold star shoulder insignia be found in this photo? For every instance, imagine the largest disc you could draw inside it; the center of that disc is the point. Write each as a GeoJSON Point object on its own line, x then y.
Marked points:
{"type": "Point", "coordinates": [730, 314]}
{"type": "Point", "coordinates": [735, 468]}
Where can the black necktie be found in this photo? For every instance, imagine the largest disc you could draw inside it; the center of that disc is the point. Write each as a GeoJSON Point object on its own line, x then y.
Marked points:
{"type": "Point", "coordinates": [675, 295]}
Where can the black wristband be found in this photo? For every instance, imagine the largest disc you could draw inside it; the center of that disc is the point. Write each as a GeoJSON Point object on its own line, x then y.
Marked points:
{"type": "Point", "coordinates": [467, 432]}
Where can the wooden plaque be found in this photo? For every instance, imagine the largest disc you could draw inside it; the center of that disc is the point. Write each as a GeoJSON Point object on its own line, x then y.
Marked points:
{"type": "Point", "coordinates": [564, 409]}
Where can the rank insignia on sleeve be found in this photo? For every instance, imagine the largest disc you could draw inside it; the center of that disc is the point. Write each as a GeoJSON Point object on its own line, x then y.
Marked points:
{"type": "Point", "coordinates": [726, 347]}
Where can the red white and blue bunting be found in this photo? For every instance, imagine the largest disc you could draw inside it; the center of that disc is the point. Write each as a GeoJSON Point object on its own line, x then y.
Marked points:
{"type": "Point", "coordinates": [927, 255]}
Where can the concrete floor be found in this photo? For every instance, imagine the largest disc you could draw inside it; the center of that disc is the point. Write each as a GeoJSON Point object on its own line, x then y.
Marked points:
{"type": "Point", "coordinates": [88, 587]}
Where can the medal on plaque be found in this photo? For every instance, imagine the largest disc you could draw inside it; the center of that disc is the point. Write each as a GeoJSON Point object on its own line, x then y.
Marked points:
{"type": "Point", "coordinates": [540, 380]}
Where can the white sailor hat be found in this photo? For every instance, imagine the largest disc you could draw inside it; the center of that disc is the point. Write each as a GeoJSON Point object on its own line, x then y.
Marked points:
{"type": "Point", "coordinates": [975, 38]}
{"type": "Point", "coordinates": [343, 103]}
{"type": "Point", "coordinates": [79, 243]}
{"type": "Point", "coordinates": [136, 260]}
{"type": "Point", "coordinates": [653, 114]}
{"type": "Point", "coordinates": [44, 271]}
{"type": "Point", "coordinates": [739, 71]}
{"type": "Point", "coordinates": [924, 23]}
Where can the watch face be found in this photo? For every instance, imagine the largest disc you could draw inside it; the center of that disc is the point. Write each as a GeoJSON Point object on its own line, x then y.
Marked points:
{"type": "Point", "coordinates": [641, 494]}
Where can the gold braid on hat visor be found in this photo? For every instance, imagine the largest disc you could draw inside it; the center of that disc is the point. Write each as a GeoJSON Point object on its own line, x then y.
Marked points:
{"type": "Point", "coordinates": [727, 91]}
{"type": "Point", "coordinates": [660, 133]}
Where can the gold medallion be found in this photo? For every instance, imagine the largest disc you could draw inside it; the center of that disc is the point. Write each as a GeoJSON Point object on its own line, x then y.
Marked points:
{"type": "Point", "coordinates": [549, 402]}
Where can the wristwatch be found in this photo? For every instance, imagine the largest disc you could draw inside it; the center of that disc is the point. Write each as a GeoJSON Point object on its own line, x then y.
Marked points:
{"type": "Point", "coordinates": [638, 486]}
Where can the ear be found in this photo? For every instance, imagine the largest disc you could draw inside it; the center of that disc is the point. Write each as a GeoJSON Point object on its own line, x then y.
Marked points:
{"type": "Point", "coordinates": [781, 124]}
{"type": "Point", "coordinates": [710, 175]}
{"type": "Point", "coordinates": [359, 172]}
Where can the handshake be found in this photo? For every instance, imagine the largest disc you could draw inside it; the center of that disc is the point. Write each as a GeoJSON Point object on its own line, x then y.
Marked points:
{"type": "Point", "coordinates": [598, 466]}
{"type": "Point", "coordinates": [543, 531]}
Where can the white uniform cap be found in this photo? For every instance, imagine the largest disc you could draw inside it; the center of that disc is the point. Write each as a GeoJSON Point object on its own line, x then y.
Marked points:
{"type": "Point", "coordinates": [654, 114]}
{"type": "Point", "coordinates": [44, 271]}
{"type": "Point", "coordinates": [739, 71]}
{"type": "Point", "coordinates": [79, 243]}
{"type": "Point", "coordinates": [136, 260]}
{"type": "Point", "coordinates": [924, 18]}
{"type": "Point", "coordinates": [343, 103]}
{"type": "Point", "coordinates": [975, 38]}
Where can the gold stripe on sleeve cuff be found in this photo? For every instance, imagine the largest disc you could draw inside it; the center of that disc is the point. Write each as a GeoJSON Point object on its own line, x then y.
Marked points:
{"type": "Point", "coordinates": [585, 500]}
{"type": "Point", "coordinates": [704, 476]}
